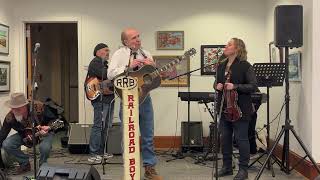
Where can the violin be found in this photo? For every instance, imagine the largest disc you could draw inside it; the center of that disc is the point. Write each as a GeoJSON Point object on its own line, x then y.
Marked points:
{"type": "Point", "coordinates": [232, 111]}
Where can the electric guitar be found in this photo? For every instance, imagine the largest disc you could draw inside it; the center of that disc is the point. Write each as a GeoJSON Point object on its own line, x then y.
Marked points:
{"type": "Point", "coordinates": [27, 140]}
{"type": "Point", "coordinates": [149, 76]}
{"type": "Point", "coordinates": [93, 87]}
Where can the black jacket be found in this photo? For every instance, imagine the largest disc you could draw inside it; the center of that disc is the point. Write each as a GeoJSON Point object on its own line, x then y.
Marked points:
{"type": "Point", "coordinates": [98, 68]}
{"type": "Point", "coordinates": [244, 79]}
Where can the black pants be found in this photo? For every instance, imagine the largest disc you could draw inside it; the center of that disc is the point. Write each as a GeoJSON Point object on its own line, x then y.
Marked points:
{"type": "Point", "coordinates": [252, 133]}
{"type": "Point", "coordinates": [240, 130]}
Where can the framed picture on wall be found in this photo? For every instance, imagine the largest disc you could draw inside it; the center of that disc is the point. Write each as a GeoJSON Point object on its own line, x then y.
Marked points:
{"type": "Point", "coordinates": [4, 39]}
{"type": "Point", "coordinates": [4, 76]}
{"type": "Point", "coordinates": [170, 40]}
{"type": "Point", "coordinates": [295, 66]}
{"type": "Point", "coordinates": [210, 54]}
{"type": "Point", "coordinates": [182, 67]}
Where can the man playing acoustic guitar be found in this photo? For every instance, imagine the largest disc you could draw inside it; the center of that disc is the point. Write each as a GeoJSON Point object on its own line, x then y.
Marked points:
{"type": "Point", "coordinates": [19, 119]}
{"type": "Point", "coordinates": [132, 54]}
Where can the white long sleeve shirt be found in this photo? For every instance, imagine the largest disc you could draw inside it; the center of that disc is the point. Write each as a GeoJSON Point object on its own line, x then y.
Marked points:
{"type": "Point", "coordinates": [120, 59]}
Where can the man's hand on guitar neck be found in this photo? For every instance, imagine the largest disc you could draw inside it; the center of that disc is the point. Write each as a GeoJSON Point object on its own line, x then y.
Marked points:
{"type": "Point", "coordinates": [43, 130]}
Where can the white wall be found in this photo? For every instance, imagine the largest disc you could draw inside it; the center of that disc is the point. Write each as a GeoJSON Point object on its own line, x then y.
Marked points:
{"type": "Point", "coordinates": [5, 18]}
{"type": "Point", "coordinates": [208, 22]}
{"type": "Point", "coordinates": [315, 80]}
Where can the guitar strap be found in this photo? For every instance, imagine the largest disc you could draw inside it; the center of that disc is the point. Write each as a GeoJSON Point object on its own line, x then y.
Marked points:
{"type": "Point", "coordinates": [142, 53]}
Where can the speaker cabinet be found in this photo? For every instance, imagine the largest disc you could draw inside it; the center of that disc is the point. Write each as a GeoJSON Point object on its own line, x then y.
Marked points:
{"type": "Point", "coordinates": [288, 24]}
{"type": "Point", "coordinates": [79, 136]}
{"type": "Point", "coordinates": [76, 172]}
{"type": "Point", "coordinates": [196, 134]}
{"type": "Point", "coordinates": [114, 145]}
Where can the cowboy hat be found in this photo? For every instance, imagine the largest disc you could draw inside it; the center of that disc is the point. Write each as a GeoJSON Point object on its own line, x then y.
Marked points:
{"type": "Point", "coordinates": [17, 100]}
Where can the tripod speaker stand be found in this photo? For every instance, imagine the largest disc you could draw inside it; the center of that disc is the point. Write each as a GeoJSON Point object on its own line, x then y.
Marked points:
{"type": "Point", "coordinates": [268, 75]}
{"type": "Point", "coordinates": [285, 164]}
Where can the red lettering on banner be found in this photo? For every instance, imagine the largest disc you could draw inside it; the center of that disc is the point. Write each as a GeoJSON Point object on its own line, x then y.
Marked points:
{"type": "Point", "coordinates": [132, 175]}
{"type": "Point", "coordinates": [131, 120]}
{"type": "Point", "coordinates": [132, 161]}
{"type": "Point", "coordinates": [131, 143]}
{"type": "Point", "coordinates": [130, 97]}
{"type": "Point", "coordinates": [131, 135]}
{"type": "Point", "coordinates": [131, 127]}
{"type": "Point", "coordinates": [130, 106]}
{"type": "Point", "coordinates": [132, 169]}
{"type": "Point", "coordinates": [132, 149]}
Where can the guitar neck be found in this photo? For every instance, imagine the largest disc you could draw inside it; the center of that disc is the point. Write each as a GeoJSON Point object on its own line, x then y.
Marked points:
{"type": "Point", "coordinates": [171, 64]}
{"type": "Point", "coordinates": [39, 134]}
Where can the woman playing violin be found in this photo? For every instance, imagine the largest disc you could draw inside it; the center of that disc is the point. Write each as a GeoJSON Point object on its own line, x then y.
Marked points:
{"type": "Point", "coordinates": [235, 82]}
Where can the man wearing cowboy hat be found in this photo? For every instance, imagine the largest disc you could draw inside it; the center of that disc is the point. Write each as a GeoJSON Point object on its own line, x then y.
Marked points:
{"type": "Point", "coordinates": [18, 119]}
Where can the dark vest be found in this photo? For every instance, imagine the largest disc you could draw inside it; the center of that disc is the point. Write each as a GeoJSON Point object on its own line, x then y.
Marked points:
{"type": "Point", "coordinates": [238, 76]}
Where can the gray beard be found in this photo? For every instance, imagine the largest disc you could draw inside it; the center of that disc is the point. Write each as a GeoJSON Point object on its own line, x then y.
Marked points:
{"type": "Point", "coordinates": [18, 117]}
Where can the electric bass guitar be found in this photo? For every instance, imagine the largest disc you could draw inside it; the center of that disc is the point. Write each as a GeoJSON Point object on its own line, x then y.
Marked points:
{"type": "Point", "coordinates": [149, 76]}
{"type": "Point", "coordinates": [93, 87]}
{"type": "Point", "coordinates": [27, 140]}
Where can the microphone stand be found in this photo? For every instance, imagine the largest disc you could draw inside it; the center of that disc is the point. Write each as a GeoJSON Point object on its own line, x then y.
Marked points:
{"type": "Point", "coordinates": [31, 109]}
{"type": "Point", "coordinates": [103, 120]}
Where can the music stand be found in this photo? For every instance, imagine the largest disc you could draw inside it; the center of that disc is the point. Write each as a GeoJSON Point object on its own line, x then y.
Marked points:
{"type": "Point", "coordinates": [269, 75]}
{"type": "Point", "coordinates": [286, 128]}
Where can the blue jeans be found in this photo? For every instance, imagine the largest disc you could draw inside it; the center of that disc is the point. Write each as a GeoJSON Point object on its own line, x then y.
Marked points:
{"type": "Point", "coordinates": [146, 124]}
{"type": "Point", "coordinates": [95, 145]}
{"type": "Point", "coordinates": [12, 145]}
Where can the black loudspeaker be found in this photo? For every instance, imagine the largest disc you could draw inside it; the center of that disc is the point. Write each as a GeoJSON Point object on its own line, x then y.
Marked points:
{"type": "Point", "coordinates": [196, 134]}
{"type": "Point", "coordinates": [288, 26]}
{"type": "Point", "coordinates": [47, 172]}
{"type": "Point", "coordinates": [114, 145]}
{"type": "Point", "coordinates": [79, 136]}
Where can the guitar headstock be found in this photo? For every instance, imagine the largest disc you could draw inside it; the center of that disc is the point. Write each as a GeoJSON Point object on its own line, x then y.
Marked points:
{"type": "Point", "coordinates": [57, 124]}
{"type": "Point", "coordinates": [190, 52]}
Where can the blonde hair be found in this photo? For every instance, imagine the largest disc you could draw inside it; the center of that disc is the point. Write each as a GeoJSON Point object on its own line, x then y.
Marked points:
{"type": "Point", "coordinates": [241, 49]}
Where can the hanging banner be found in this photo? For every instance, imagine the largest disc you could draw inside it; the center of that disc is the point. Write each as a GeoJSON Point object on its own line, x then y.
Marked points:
{"type": "Point", "coordinates": [127, 89]}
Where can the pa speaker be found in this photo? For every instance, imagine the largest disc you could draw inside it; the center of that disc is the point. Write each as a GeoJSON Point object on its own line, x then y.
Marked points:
{"type": "Point", "coordinates": [79, 136]}
{"type": "Point", "coordinates": [47, 172]}
{"type": "Point", "coordinates": [195, 134]}
{"type": "Point", "coordinates": [288, 25]}
{"type": "Point", "coordinates": [114, 144]}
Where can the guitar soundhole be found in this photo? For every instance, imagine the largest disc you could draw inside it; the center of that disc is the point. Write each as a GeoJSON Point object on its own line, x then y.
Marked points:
{"type": "Point", "coordinates": [147, 79]}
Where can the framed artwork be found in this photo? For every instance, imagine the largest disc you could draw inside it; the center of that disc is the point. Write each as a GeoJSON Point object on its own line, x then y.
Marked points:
{"type": "Point", "coordinates": [295, 66]}
{"type": "Point", "coordinates": [4, 76]}
{"type": "Point", "coordinates": [170, 40]}
{"type": "Point", "coordinates": [209, 55]}
{"type": "Point", "coordinates": [4, 39]}
{"type": "Point", "coordinates": [182, 67]}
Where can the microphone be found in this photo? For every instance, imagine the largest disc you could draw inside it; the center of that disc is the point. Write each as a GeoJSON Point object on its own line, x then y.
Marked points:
{"type": "Point", "coordinates": [36, 47]}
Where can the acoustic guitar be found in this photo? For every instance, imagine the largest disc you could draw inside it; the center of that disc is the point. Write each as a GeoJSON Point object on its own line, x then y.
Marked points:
{"type": "Point", "coordinates": [149, 76]}
{"type": "Point", "coordinates": [27, 140]}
